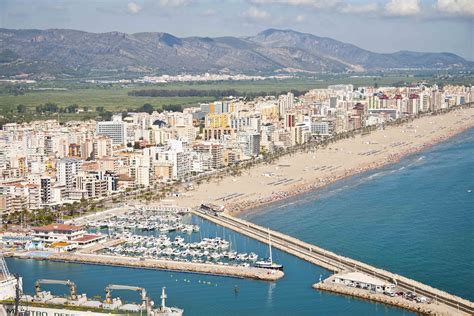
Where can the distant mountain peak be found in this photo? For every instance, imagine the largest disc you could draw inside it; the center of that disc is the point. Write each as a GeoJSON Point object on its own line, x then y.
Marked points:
{"type": "Point", "coordinates": [169, 39]}
{"type": "Point", "coordinates": [57, 52]}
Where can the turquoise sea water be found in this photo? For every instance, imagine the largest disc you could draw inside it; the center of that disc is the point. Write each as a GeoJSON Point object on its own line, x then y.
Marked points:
{"type": "Point", "coordinates": [414, 218]}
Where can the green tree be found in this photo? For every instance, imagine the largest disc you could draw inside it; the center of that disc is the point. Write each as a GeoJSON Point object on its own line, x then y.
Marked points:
{"type": "Point", "coordinates": [21, 108]}
{"type": "Point", "coordinates": [72, 108]}
{"type": "Point", "coordinates": [106, 116]}
{"type": "Point", "coordinates": [173, 108]}
{"type": "Point", "coordinates": [147, 108]}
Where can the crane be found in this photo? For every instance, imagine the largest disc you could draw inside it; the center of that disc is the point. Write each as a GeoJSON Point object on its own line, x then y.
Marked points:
{"type": "Point", "coordinates": [142, 291]}
{"type": "Point", "coordinates": [71, 285]}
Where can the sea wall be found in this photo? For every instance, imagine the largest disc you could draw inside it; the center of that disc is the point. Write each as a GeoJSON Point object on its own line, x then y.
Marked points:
{"type": "Point", "coordinates": [168, 265]}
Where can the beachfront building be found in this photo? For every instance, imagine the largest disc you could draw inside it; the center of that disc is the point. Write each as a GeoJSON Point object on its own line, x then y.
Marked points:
{"type": "Point", "coordinates": [44, 163]}
{"type": "Point", "coordinates": [250, 143]}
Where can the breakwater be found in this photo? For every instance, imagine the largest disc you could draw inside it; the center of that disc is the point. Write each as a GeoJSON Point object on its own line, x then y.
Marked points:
{"type": "Point", "coordinates": [336, 263]}
{"type": "Point", "coordinates": [168, 265]}
{"type": "Point", "coordinates": [434, 308]}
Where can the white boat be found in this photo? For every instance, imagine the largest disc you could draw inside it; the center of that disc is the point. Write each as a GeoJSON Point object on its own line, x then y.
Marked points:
{"type": "Point", "coordinates": [253, 256]}
{"type": "Point", "coordinates": [268, 263]}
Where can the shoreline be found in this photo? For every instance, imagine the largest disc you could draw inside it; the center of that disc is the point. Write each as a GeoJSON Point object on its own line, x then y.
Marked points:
{"type": "Point", "coordinates": [302, 172]}
{"type": "Point", "coordinates": [239, 210]}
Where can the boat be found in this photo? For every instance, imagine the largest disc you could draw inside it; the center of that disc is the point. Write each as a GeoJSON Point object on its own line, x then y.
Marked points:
{"type": "Point", "coordinates": [14, 302]}
{"type": "Point", "coordinates": [268, 263]}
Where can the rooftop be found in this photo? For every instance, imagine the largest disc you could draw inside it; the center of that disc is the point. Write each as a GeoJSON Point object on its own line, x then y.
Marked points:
{"type": "Point", "coordinates": [57, 227]}
{"type": "Point", "coordinates": [361, 278]}
{"type": "Point", "coordinates": [87, 238]}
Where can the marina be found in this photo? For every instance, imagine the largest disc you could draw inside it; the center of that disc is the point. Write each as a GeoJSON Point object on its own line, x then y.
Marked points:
{"type": "Point", "coordinates": [205, 294]}
{"type": "Point", "coordinates": [315, 273]}
{"type": "Point", "coordinates": [148, 233]}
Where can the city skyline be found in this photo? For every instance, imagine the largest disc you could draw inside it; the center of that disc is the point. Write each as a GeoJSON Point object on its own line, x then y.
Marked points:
{"type": "Point", "coordinates": [380, 26]}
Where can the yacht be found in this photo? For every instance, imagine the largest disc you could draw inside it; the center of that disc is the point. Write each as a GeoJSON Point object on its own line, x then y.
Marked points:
{"type": "Point", "coordinates": [268, 263]}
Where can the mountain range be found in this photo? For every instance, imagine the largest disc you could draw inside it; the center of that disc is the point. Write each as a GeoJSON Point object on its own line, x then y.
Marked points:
{"type": "Point", "coordinates": [62, 52]}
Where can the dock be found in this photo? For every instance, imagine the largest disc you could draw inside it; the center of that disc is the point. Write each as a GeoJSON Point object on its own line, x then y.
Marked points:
{"type": "Point", "coordinates": [102, 245]}
{"type": "Point", "coordinates": [433, 308]}
{"type": "Point", "coordinates": [168, 265]}
{"type": "Point", "coordinates": [336, 263]}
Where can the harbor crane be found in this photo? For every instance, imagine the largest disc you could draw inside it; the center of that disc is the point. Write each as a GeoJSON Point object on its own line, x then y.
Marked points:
{"type": "Point", "coordinates": [71, 285]}
{"type": "Point", "coordinates": [142, 291]}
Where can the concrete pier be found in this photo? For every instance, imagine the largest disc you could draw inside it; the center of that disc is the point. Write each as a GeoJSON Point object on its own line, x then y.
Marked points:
{"type": "Point", "coordinates": [192, 267]}
{"type": "Point", "coordinates": [102, 245]}
{"type": "Point", "coordinates": [434, 308]}
{"type": "Point", "coordinates": [337, 263]}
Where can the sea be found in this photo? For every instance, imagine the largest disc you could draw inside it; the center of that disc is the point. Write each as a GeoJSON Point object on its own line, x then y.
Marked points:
{"type": "Point", "coordinates": [414, 218]}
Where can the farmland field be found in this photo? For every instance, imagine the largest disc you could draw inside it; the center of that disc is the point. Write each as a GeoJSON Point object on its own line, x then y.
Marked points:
{"type": "Point", "coordinates": [115, 98]}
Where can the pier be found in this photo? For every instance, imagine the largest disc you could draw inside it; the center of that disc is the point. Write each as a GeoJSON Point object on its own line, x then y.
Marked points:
{"type": "Point", "coordinates": [168, 265]}
{"type": "Point", "coordinates": [424, 309]}
{"type": "Point", "coordinates": [336, 263]}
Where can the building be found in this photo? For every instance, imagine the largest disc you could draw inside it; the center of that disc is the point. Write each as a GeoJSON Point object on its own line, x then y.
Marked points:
{"type": "Point", "coordinates": [45, 190]}
{"type": "Point", "coordinates": [361, 280]}
{"type": "Point", "coordinates": [75, 236]}
{"type": "Point", "coordinates": [301, 134]}
{"type": "Point", "coordinates": [285, 103]}
{"type": "Point", "coordinates": [290, 120]}
{"type": "Point", "coordinates": [102, 147]}
{"type": "Point", "coordinates": [67, 170]}
{"type": "Point", "coordinates": [115, 130]}
{"type": "Point", "coordinates": [250, 143]}
{"type": "Point", "coordinates": [91, 184]}
{"type": "Point", "coordinates": [214, 150]}
{"type": "Point", "coordinates": [321, 128]}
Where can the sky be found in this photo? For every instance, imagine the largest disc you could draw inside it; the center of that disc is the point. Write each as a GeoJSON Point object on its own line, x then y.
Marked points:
{"type": "Point", "coordinates": [377, 25]}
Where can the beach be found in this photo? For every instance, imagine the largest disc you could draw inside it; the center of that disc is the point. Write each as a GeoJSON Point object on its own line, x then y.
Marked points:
{"type": "Point", "coordinates": [305, 171]}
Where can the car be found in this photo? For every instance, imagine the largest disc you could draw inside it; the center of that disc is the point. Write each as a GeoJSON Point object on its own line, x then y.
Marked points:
{"type": "Point", "coordinates": [422, 299]}
{"type": "Point", "coordinates": [389, 292]}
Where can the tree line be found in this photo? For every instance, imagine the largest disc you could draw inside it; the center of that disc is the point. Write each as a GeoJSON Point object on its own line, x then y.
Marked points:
{"type": "Point", "coordinates": [50, 108]}
{"type": "Point", "coordinates": [214, 93]}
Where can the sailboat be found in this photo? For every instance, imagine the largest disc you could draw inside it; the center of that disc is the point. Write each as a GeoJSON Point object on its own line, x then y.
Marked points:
{"type": "Point", "coordinates": [268, 263]}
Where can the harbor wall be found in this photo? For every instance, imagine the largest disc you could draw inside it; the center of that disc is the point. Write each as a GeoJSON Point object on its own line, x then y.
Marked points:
{"type": "Point", "coordinates": [433, 308]}
{"type": "Point", "coordinates": [333, 262]}
{"type": "Point", "coordinates": [168, 265]}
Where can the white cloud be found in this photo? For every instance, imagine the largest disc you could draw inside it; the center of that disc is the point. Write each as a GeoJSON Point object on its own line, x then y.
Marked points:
{"type": "Point", "coordinates": [332, 5]}
{"type": "Point", "coordinates": [255, 13]}
{"type": "Point", "coordinates": [175, 3]}
{"type": "Point", "coordinates": [133, 7]}
{"type": "Point", "coordinates": [402, 7]}
{"type": "Point", "coordinates": [300, 18]}
{"type": "Point", "coordinates": [359, 8]}
{"type": "Point", "coordinates": [318, 4]}
{"type": "Point", "coordinates": [209, 12]}
{"type": "Point", "coordinates": [456, 7]}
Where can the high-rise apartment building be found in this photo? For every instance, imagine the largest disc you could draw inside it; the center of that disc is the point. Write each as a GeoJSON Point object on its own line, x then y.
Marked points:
{"type": "Point", "coordinates": [117, 131]}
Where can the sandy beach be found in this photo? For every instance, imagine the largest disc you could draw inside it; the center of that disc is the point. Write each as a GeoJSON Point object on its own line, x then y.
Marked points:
{"type": "Point", "coordinates": [302, 172]}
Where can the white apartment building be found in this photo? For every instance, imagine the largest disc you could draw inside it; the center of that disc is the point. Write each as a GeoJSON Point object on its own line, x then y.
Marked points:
{"type": "Point", "coordinates": [117, 131]}
{"type": "Point", "coordinates": [67, 170]}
